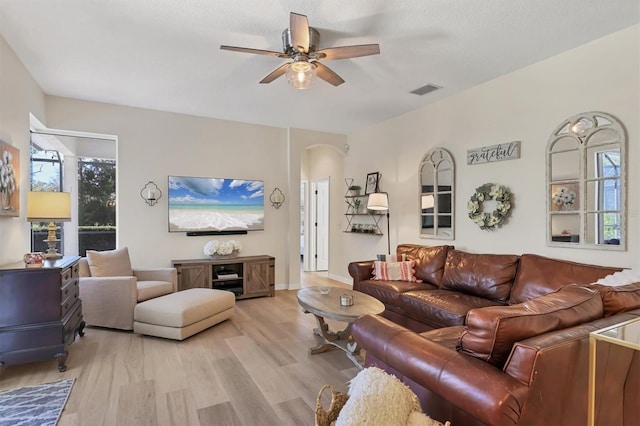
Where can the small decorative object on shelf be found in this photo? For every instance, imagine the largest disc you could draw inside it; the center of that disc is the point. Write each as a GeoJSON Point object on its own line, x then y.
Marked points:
{"type": "Point", "coordinates": [489, 191]}
{"type": "Point", "coordinates": [222, 250]}
{"type": "Point", "coordinates": [355, 190]}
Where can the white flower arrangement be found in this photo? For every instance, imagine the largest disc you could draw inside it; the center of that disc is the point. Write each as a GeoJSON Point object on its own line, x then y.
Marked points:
{"type": "Point", "coordinates": [489, 191]}
{"type": "Point", "coordinates": [564, 197]}
{"type": "Point", "coordinates": [7, 174]}
{"type": "Point", "coordinates": [215, 247]}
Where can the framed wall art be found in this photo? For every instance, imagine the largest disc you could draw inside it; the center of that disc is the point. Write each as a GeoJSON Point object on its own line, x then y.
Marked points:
{"type": "Point", "coordinates": [372, 183]}
{"type": "Point", "coordinates": [9, 180]}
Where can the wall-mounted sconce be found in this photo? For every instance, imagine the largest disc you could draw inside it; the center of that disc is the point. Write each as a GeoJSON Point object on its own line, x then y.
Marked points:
{"type": "Point", "coordinates": [151, 193]}
{"type": "Point", "coordinates": [346, 148]}
{"type": "Point", "coordinates": [276, 198]}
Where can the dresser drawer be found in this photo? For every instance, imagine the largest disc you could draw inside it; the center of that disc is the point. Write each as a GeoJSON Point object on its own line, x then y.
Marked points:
{"type": "Point", "coordinates": [70, 295]}
{"type": "Point", "coordinates": [66, 275]}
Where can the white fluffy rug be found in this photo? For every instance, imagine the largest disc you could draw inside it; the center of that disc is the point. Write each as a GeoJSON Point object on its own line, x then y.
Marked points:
{"type": "Point", "coordinates": [378, 398]}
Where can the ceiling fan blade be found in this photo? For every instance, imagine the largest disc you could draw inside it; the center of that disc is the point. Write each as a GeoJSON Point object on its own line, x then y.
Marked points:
{"type": "Point", "coordinates": [346, 52]}
{"type": "Point", "coordinates": [327, 74]}
{"type": "Point", "coordinates": [254, 51]}
{"type": "Point", "coordinates": [299, 27]}
{"type": "Point", "coordinates": [275, 74]}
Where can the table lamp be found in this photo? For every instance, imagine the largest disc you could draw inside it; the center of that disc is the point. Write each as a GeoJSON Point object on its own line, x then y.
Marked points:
{"type": "Point", "coordinates": [49, 207]}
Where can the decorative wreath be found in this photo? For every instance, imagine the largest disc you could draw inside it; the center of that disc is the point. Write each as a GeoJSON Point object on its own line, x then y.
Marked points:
{"type": "Point", "coordinates": [489, 191]}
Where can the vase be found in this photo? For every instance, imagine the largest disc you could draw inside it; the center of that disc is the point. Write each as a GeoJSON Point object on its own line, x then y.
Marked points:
{"type": "Point", "coordinates": [6, 200]}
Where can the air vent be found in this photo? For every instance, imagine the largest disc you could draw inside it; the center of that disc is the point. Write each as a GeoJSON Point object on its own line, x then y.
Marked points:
{"type": "Point", "coordinates": [428, 88]}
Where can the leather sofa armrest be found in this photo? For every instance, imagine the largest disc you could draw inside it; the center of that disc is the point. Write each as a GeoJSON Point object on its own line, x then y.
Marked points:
{"type": "Point", "coordinates": [158, 274]}
{"type": "Point", "coordinates": [108, 301]}
{"type": "Point", "coordinates": [468, 383]}
{"type": "Point", "coordinates": [360, 271]}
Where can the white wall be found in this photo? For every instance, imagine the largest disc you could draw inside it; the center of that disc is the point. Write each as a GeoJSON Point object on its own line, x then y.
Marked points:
{"type": "Point", "coordinates": [525, 105]}
{"type": "Point", "coordinates": [20, 95]}
{"type": "Point", "coordinates": [153, 145]}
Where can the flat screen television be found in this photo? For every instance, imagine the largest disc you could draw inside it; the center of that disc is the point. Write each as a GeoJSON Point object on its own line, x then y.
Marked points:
{"type": "Point", "coordinates": [202, 204]}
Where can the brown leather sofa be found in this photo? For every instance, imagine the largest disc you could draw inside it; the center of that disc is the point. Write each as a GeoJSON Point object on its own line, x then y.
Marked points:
{"type": "Point", "coordinates": [495, 339]}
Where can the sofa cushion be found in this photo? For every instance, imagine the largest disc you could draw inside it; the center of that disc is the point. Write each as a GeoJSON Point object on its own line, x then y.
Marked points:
{"type": "Point", "coordinates": [619, 298]}
{"type": "Point", "coordinates": [429, 261]}
{"type": "Point", "coordinates": [151, 289]}
{"type": "Point", "coordinates": [492, 332]}
{"type": "Point", "coordinates": [483, 275]}
{"type": "Point", "coordinates": [388, 292]}
{"type": "Point", "coordinates": [440, 308]}
{"type": "Point", "coordinates": [110, 263]}
{"type": "Point", "coordinates": [396, 271]}
{"type": "Point", "coordinates": [539, 275]}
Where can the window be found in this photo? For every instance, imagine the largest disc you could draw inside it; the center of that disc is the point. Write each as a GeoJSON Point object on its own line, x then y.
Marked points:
{"type": "Point", "coordinates": [96, 204]}
{"type": "Point", "coordinates": [45, 175]}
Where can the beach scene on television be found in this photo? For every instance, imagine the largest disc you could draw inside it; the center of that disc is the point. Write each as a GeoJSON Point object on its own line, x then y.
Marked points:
{"type": "Point", "coordinates": [210, 204]}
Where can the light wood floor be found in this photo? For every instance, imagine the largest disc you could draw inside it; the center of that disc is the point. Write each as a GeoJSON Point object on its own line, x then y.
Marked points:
{"type": "Point", "coordinates": [254, 369]}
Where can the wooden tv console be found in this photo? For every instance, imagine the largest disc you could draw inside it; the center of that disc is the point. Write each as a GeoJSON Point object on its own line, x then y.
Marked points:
{"type": "Point", "coordinates": [246, 276]}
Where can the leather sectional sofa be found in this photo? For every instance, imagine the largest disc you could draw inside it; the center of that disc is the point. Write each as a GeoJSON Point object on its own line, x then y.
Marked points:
{"type": "Point", "coordinates": [497, 339]}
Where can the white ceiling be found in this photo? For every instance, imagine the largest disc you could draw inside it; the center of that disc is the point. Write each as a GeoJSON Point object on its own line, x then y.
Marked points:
{"type": "Point", "coordinates": [165, 55]}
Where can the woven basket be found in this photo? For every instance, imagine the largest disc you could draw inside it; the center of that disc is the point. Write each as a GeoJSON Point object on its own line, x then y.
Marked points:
{"type": "Point", "coordinates": [338, 399]}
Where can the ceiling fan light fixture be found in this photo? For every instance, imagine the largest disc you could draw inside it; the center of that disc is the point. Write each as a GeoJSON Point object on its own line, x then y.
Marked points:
{"type": "Point", "coordinates": [301, 74]}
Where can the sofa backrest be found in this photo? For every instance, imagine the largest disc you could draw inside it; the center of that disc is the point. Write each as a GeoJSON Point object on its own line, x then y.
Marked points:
{"type": "Point", "coordinates": [489, 276]}
{"type": "Point", "coordinates": [539, 275]}
{"type": "Point", "coordinates": [429, 261]}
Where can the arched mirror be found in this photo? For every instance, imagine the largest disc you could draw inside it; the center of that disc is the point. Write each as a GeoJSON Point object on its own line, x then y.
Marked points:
{"type": "Point", "coordinates": [586, 183]}
{"type": "Point", "coordinates": [436, 200]}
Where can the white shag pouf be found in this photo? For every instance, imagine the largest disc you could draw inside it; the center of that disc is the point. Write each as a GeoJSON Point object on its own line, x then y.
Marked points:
{"type": "Point", "coordinates": [379, 398]}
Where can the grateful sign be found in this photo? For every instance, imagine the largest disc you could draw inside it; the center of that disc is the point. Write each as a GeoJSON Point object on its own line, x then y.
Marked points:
{"type": "Point", "coordinates": [489, 154]}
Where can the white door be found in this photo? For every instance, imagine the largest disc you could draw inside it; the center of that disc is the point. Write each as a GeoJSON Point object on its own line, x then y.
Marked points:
{"type": "Point", "coordinates": [321, 224]}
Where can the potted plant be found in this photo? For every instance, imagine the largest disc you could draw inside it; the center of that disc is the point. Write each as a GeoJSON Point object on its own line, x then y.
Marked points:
{"type": "Point", "coordinates": [355, 189]}
{"type": "Point", "coordinates": [356, 205]}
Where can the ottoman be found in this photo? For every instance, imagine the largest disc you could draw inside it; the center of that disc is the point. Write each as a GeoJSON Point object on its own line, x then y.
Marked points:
{"type": "Point", "coordinates": [183, 314]}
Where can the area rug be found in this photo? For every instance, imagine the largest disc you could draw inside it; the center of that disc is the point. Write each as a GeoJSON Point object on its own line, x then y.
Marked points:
{"type": "Point", "coordinates": [39, 405]}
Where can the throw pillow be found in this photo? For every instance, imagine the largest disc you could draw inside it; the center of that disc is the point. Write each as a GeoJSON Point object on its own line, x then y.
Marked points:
{"type": "Point", "coordinates": [492, 331]}
{"type": "Point", "coordinates": [394, 271]}
{"type": "Point", "coordinates": [110, 263]}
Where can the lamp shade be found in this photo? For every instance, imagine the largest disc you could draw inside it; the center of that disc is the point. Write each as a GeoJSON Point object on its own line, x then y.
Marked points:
{"type": "Point", "coordinates": [48, 206]}
{"type": "Point", "coordinates": [301, 74]}
{"type": "Point", "coordinates": [378, 201]}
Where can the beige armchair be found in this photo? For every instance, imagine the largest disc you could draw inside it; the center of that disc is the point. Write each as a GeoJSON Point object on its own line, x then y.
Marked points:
{"type": "Point", "coordinates": [110, 288]}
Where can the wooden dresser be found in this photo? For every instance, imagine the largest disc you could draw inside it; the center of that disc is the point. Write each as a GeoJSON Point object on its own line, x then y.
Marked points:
{"type": "Point", "coordinates": [40, 311]}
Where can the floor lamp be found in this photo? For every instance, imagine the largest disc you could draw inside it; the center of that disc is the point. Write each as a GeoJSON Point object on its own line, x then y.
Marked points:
{"type": "Point", "coordinates": [379, 201]}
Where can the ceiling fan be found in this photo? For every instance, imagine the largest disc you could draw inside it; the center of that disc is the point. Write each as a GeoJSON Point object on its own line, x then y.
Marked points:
{"type": "Point", "coordinates": [300, 43]}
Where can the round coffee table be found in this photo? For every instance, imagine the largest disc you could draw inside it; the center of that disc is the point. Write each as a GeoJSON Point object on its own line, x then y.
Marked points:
{"type": "Point", "coordinates": [328, 306]}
